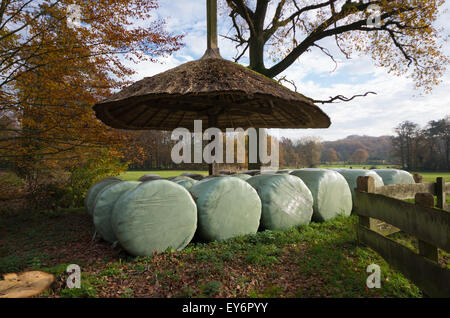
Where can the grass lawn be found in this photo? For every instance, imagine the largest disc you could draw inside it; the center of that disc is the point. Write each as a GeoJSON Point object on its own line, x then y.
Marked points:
{"type": "Point", "coordinates": [431, 176]}
{"type": "Point", "coordinates": [320, 260]}
{"type": "Point", "coordinates": [135, 175]}
{"type": "Point", "coordinates": [363, 166]}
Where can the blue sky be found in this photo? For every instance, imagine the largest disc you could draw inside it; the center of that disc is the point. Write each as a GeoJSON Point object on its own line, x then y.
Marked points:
{"type": "Point", "coordinates": [374, 115]}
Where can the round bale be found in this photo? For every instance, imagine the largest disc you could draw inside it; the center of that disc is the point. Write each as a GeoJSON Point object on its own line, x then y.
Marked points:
{"type": "Point", "coordinates": [89, 200]}
{"type": "Point", "coordinates": [331, 193]}
{"type": "Point", "coordinates": [227, 207]}
{"type": "Point", "coordinates": [285, 171]}
{"type": "Point", "coordinates": [185, 182]}
{"type": "Point", "coordinates": [153, 217]}
{"type": "Point", "coordinates": [149, 177]}
{"type": "Point", "coordinates": [286, 201]}
{"type": "Point", "coordinates": [351, 175]}
{"type": "Point", "coordinates": [104, 205]}
{"type": "Point", "coordinates": [394, 176]}
{"type": "Point", "coordinates": [195, 176]}
{"type": "Point", "coordinates": [242, 176]}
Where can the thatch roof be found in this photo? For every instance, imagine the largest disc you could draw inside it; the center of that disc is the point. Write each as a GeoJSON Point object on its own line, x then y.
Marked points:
{"type": "Point", "coordinates": [237, 96]}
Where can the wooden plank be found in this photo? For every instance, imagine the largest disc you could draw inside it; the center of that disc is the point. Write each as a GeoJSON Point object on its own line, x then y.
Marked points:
{"type": "Point", "coordinates": [426, 249]}
{"type": "Point", "coordinates": [428, 224]}
{"type": "Point", "coordinates": [428, 276]}
{"type": "Point", "coordinates": [406, 191]}
{"type": "Point", "coordinates": [382, 227]}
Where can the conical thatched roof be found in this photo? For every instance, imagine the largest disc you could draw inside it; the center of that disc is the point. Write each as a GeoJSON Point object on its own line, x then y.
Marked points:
{"type": "Point", "coordinates": [235, 95]}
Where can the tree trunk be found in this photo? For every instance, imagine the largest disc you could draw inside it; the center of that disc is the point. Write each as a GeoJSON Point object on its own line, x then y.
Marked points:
{"type": "Point", "coordinates": [257, 54]}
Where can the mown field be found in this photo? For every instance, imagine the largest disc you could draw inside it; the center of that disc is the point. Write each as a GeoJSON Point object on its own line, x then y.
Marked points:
{"type": "Point", "coordinates": [134, 175]}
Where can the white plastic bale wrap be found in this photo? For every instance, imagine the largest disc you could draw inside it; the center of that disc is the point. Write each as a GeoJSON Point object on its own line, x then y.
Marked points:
{"type": "Point", "coordinates": [227, 207]}
{"type": "Point", "coordinates": [242, 176]}
{"type": "Point", "coordinates": [185, 182]}
{"type": "Point", "coordinates": [194, 176]}
{"type": "Point", "coordinates": [394, 176]}
{"type": "Point", "coordinates": [149, 177]}
{"type": "Point", "coordinates": [285, 171]}
{"type": "Point", "coordinates": [351, 175]}
{"type": "Point", "coordinates": [286, 201]}
{"type": "Point", "coordinates": [153, 217]}
{"type": "Point", "coordinates": [104, 205]}
{"type": "Point", "coordinates": [331, 193]}
{"type": "Point", "coordinates": [91, 195]}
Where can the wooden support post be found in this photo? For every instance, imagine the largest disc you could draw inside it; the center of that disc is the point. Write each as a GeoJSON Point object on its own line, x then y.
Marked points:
{"type": "Point", "coordinates": [365, 184]}
{"type": "Point", "coordinates": [426, 249]}
{"type": "Point", "coordinates": [255, 165]}
{"type": "Point", "coordinates": [212, 50]}
{"type": "Point", "coordinates": [418, 178]}
{"type": "Point", "coordinates": [440, 193]}
{"type": "Point", "coordinates": [213, 167]}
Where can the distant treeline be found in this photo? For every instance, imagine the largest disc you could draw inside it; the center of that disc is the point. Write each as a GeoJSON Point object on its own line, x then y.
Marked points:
{"type": "Point", "coordinates": [423, 148]}
{"type": "Point", "coordinates": [412, 147]}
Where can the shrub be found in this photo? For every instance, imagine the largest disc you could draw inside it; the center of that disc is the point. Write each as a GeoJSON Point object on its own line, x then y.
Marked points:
{"type": "Point", "coordinates": [83, 176]}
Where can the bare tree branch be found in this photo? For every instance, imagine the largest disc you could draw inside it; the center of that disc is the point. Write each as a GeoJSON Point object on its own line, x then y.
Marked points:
{"type": "Point", "coordinates": [342, 98]}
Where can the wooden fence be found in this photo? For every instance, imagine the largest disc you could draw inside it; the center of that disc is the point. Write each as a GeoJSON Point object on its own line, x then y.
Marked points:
{"type": "Point", "coordinates": [382, 212]}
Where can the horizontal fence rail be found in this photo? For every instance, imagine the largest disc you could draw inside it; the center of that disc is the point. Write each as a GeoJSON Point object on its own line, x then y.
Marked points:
{"type": "Point", "coordinates": [425, 223]}
{"type": "Point", "coordinates": [431, 278]}
{"type": "Point", "coordinates": [381, 212]}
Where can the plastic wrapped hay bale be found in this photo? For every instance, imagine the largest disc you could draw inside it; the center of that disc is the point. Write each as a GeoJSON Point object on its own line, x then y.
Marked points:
{"type": "Point", "coordinates": [185, 182]}
{"type": "Point", "coordinates": [351, 175]}
{"type": "Point", "coordinates": [285, 171]}
{"type": "Point", "coordinates": [242, 176]}
{"type": "Point", "coordinates": [104, 205]}
{"type": "Point", "coordinates": [149, 177]}
{"type": "Point", "coordinates": [394, 176]}
{"type": "Point", "coordinates": [252, 172]}
{"type": "Point", "coordinates": [227, 207]}
{"type": "Point", "coordinates": [330, 190]}
{"type": "Point", "coordinates": [89, 200]}
{"type": "Point", "coordinates": [153, 217]}
{"type": "Point", "coordinates": [286, 201]}
{"type": "Point", "coordinates": [213, 176]}
{"type": "Point", "coordinates": [195, 176]}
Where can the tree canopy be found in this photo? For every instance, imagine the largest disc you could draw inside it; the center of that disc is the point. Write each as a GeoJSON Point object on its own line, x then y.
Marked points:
{"type": "Point", "coordinates": [57, 61]}
{"type": "Point", "coordinates": [405, 41]}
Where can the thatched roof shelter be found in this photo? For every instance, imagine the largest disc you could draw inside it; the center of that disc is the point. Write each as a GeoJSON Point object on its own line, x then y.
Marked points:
{"type": "Point", "coordinates": [236, 96]}
{"type": "Point", "coordinates": [221, 93]}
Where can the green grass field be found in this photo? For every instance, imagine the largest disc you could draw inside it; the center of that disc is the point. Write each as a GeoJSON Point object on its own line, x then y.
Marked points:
{"type": "Point", "coordinates": [135, 175]}
{"type": "Point", "coordinates": [364, 166]}
{"type": "Point", "coordinates": [431, 176]}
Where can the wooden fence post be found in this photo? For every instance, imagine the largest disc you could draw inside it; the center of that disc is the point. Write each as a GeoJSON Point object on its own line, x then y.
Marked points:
{"type": "Point", "coordinates": [440, 193]}
{"type": "Point", "coordinates": [365, 184]}
{"type": "Point", "coordinates": [425, 249]}
{"type": "Point", "coordinates": [418, 178]}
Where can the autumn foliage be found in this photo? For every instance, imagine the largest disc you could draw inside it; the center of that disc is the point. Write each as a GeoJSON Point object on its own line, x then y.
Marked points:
{"type": "Point", "coordinates": [52, 72]}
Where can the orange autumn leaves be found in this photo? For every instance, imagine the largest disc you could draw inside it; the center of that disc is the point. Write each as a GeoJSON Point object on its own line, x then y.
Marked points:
{"type": "Point", "coordinates": [52, 73]}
